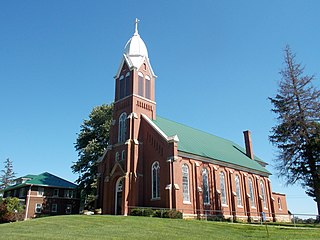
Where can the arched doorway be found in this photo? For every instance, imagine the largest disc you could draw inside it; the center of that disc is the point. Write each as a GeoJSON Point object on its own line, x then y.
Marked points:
{"type": "Point", "coordinates": [118, 196]}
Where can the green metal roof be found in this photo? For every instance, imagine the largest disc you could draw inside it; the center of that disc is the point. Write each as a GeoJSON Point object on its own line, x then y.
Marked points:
{"type": "Point", "coordinates": [206, 145]}
{"type": "Point", "coordinates": [44, 179]}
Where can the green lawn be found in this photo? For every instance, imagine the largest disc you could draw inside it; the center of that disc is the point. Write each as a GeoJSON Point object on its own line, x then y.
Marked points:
{"type": "Point", "coordinates": [119, 227]}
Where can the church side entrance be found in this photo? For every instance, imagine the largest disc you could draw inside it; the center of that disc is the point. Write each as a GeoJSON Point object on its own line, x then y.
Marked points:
{"type": "Point", "coordinates": [118, 196]}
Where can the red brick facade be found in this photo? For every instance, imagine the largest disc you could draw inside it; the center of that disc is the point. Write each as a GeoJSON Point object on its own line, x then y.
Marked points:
{"type": "Point", "coordinates": [128, 168]}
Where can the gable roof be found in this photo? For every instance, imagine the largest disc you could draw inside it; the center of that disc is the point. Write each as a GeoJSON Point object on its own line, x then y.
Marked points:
{"type": "Point", "coordinates": [211, 147]}
{"type": "Point", "coordinates": [44, 179]}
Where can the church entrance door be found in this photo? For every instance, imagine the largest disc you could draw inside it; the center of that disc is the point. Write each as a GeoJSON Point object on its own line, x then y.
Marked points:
{"type": "Point", "coordinates": [118, 196]}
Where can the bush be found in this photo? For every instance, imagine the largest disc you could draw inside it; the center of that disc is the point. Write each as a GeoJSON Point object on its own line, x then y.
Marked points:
{"type": "Point", "coordinates": [147, 212]}
{"type": "Point", "coordinates": [11, 210]}
{"type": "Point", "coordinates": [168, 214]}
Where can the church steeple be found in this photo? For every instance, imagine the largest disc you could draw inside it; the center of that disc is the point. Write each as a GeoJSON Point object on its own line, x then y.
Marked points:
{"type": "Point", "coordinates": [135, 76]}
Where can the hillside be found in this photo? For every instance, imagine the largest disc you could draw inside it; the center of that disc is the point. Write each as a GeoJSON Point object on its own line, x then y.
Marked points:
{"type": "Point", "coordinates": [119, 227]}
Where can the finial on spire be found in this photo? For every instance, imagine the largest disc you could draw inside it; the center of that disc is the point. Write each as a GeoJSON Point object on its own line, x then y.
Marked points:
{"type": "Point", "coordinates": [136, 26]}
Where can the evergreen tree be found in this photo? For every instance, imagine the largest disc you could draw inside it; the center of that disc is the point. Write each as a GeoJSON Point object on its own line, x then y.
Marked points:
{"type": "Point", "coordinates": [90, 145]}
{"type": "Point", "coordinates": [297, 135]}
{"type": "Point", "coordinates": [7, 174]}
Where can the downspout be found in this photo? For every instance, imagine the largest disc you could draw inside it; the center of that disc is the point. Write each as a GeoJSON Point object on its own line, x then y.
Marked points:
{"type": "Point", "coordinates": [28, 202]}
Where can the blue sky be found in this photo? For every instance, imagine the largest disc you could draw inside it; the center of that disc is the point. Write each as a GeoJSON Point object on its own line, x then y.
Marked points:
{"type": "Point", "coordinates": [217, 62]}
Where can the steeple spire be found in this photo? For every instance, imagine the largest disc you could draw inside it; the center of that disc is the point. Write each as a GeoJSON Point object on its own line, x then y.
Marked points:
{"type": "Point", "coordinates": [136, 26]}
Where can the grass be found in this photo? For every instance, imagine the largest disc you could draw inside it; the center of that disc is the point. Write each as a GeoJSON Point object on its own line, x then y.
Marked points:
{"type": "Point", "coordinates": [119, 227]}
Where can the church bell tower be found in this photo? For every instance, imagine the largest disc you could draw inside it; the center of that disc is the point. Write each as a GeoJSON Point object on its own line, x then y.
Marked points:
{"type": "Point", "coordinates": [134, 97]}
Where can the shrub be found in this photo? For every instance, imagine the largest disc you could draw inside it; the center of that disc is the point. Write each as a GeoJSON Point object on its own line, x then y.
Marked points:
{"type": "Point", "coordinates": [11, 210]}
{"type": "Point", "coordinates": [168, 214]}
{"type": "Point", "coordinates": [142, 212]}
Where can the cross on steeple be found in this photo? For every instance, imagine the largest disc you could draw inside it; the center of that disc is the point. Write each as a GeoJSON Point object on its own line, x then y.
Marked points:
{"type": "Point", "coordinates": [136, 26]}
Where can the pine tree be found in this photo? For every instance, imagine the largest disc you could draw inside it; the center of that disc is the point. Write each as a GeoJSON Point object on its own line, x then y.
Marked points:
{"type": "Point", "coordinates": [7, 174]}
{"type": "Point", "coordinates": [90, 145]}
{"type": "Point", "coordinates": [297, 135]}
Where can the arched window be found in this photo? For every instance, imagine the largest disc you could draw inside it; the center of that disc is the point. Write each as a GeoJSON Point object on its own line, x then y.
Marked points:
{"type": "Point", "coordinates": [185, 183]}
{"type": "Point", "coordinates": [238, 190]}
{"type": "Point", "coordinates": [140, 84]}
{"type": "Point", "coordinates": [148, 87]}
{"type": "Point", "coordinates": [122, 127]}
{"type": "Point", "coordinates": [127, 83]}
{"type": "Point", "coordinates": [223, 189]}
{"type": "Point", "coordinates": [205, 186]}
{"type": "Point", "coordinates": [121, 86]}
{"type": "Point", "coordinates": [252, 203]}
{"type": "Point", "coordinates": [155, 180]}
{"type": "Point", "coordinates": [123, 155]}
{"type": "Point", "coordinates": [263, 194]}
{"type": "Point", "coordinates": [117, 157]}
{"type": "Point", "coordinates": [279, 204]}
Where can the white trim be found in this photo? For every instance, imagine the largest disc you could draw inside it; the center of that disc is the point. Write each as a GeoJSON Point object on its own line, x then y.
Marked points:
{"type": "Point", "coordinates": [140, 74]}
{"type": "Point", "coordinates": [155, 127]}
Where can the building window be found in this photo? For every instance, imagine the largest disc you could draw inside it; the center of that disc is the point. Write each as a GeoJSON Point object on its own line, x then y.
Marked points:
{"type": "Point", "coordinates": [122, 127]}
{"type": "Point", "coordinates": [185, 183]}
{"type": "Point", "coordinates": [68, 209]}
{"type": "Point", "coordinates": [155, 180]}
{"type": "Point", "coordinates": [22, 192]}
{"type": "Point", "coordinates": [279, 204]}
{"type": "Point", "coordinates": [117, 157]}
{"type": "Point", "coordinates": [54, 208]}
{"type": "Point", "coordinates": [251, 193]}
{"type": "Point", "coordinates": [205, 186]}
{"type": "Point", "coordinates": [38, 208]}
{"type": "Point", "coordinates": [238, 190]}
{"type": "Point", "coordinates": [127, 83]}
{"type": "Point", "coordinates": [148, 87]}
{"type": "Point", "coordinates": [56, 192]}
{"type": "Point", "coordinates": [263, 194]}
{"type": "Point", "coordinates": [40, 191]}
{"type": "Point", "coordinates": [121, 87]}
{"type": "Point", "coordinates": [68, 193]}
{"type": "Point", "coordinates": [223, 189]}
{"type": "Point", "coordinates": [140, 84]}
{"type": "Point", "coordinates": [123, 155]}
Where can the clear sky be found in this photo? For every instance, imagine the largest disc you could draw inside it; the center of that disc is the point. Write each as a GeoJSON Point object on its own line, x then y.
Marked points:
{"type": "Point", "coordinates": [217, 62]}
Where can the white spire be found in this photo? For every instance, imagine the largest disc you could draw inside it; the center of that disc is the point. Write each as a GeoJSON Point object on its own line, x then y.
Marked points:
{"type": "Point", "coordinates": [136, 26]}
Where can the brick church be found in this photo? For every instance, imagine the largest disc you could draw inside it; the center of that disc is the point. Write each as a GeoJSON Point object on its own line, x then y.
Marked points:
{"type": "Point", "coordinates": [155, 162]}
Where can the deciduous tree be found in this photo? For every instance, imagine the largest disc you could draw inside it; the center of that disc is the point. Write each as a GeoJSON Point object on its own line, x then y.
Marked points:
{"type": "Point", "coordinates": [90, 145]}
{"type": "Point", "coordinates": [297, 134]}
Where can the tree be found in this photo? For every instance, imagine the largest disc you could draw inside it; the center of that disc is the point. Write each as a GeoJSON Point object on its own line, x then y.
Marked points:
{"type": "Point", "coordinates": [297, 135]}
{"type": "Point", "coordinates": [11, 210]}
{"type": "Point", "coordinates": [90, 144]}
{"type": "Point", "coordinates": [7, 174]}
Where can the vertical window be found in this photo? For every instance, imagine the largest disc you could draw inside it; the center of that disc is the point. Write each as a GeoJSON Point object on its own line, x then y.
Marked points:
{"type": "Point", "coordinates": [54, 207]}
{"type": "Point", "coordinates": [56, 192]}
{"type": "Point", "coordinates": [38, 208]}
{"type": "Point", "coordinates": [123, 155]}
{"type": "Point", "coordinates": [122, 128]}
{"type": "Point", "coordinates": [223, 189]}
{"type": "Point", "coordinates": [252, 203]}
{"type": "Point", "coordinates": [40, 191]}
{"type": "Point", "coordinates": [205, 186]}
{"type": "Point", "coordinates": [121, 87]}
{"type": "Point", "coordinates": [127, 83]}
{"type": "Point", "coordinates": [117, 158]}
{"type": "Point", "coordinates": [263, 194]}
{"type": "Point", "coordinates": [238, 190]}
{"type": "Point", "coordinates": [279, 204]}
{"type": "Point", "coordinates": [155, 180]}
{"type": "Point", "coordinates": [140, 84]}
{"type": "Point", "coordinates": [68, 209]}
{"type": "Point", "coordinates": [185, 183]}
{"type": "Point", "coordinates": [68, 193]}
{"type": "Point", "coordinates": [148, 87]}
{"type": "Point", "coordinates": [22, 192]}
